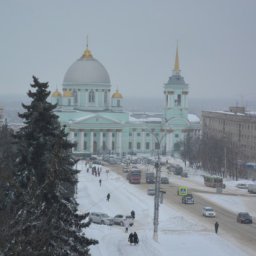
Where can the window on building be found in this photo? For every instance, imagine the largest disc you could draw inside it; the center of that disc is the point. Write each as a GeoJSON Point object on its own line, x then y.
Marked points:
{"type": "Point", "coordinates": [130, 134]}
{"type": "Point", "coordinates": [157, 145]}
{"type": "Point", "coordinates": [147, 145]}
{"type": "Point", "coordinates": [178, 100]}
{"type": "Point", "coordinates": [113, 135]}
{"type": "Point", "coordinates": [147, 134]}
{"type": "Point", "coordinates": [75, 96]}
{"type": "Point", "coordinates": [118, 103]}
{"type": "Point", "coordinates": [113, 145]}
{"type": "Point", "coordinates": [69, 102]}
{"type": "Point", "coordinates": [138, 134]}
{"type": "Point", "coordinates": [105, 97]}
{"type": "Point", "coordinates": [176, 135]}
{"type": "Point", "coordinates": [130, 145]}
{"type": "Point", "coordinates": [138, 145]}
{"type": "Point", "coordinates": [85, 145]}
{"type": "Point", "coordinates": [75, 134]}
{"type": "Point", "coordinates": [91, 96]}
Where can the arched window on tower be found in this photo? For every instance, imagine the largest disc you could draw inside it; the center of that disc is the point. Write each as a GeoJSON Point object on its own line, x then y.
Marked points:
{"type": "Point", "coordinates": [118, 103]}
{"type": "Point", "coordinates": [178, 100]}
{"type": "Point", "coordinates": [91, 96]}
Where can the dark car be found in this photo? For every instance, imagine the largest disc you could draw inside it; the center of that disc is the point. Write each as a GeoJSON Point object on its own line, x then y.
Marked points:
{"type": "Point", "coordinates": [188, 199]}
{"type": "Point", "coordinates": [244, 217]}
{"type": "Point", "coordinates": [164, 180]}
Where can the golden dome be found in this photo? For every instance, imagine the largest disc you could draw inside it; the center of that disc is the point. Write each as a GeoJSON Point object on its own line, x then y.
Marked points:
{"type": "Point", "coordinates": [87, 54]}
{"type": "Point", "coordinates": [117, 95]}
{"type": "Point", "coordinates": [67, 94]}
{"type": "Point", "coordinates": [56, 93]}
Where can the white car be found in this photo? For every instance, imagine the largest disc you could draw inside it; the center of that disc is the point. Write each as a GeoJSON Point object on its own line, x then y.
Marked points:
{"type": "Point", "coordinates": [208, 212]}
{"type": "Point", "coordinates": [121, 219]}
{"type": "Point", "coordinates": [242, 186]}
{"type": "Point", "coordinates": [100, 218]}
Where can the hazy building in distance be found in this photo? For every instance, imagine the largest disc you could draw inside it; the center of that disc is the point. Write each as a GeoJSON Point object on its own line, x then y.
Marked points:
{"type": "Point", "coordinates": [235, 125]}
{"type": "Point", "coordinates": [96, 120]}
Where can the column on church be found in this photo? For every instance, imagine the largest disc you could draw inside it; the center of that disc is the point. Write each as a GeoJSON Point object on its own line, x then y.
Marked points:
{"type": "Point", "coordinates": [119, 142]}
{"type": "Point", "coordinates": [81, 141]}
{"type": "Point", "coordinates": [91, 141]}
{"type": "Point", "coordinates": [143, 142]}
{"type": "Point", "coordinates": [169, 100]}
{"type": "Point", "coordinates": [109, 140]}
{"type": "Point", "coordinates": [134, 140]}
{"type": "Point", "coordinates": [71, 136]}
{"type": "Point", "coordinates": [152, 144]}
{"type": "Point", "coordinates": [101, 141]}
{"type": "Point", "coordinates": [86, 98]}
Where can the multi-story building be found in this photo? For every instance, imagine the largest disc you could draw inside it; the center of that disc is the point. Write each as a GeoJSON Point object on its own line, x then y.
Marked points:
{"type": "Point", "coordinates": [236, 125]}
{"type": "Point", "coordinates": [96, 121]}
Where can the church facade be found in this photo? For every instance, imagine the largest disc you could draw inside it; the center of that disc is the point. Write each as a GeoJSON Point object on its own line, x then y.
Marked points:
{"type": "Point", "coordinates": [96, 121]}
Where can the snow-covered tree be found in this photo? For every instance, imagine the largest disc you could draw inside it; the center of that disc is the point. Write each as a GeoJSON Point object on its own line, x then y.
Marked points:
{"type": "Point", "coordinates": [46, 220]}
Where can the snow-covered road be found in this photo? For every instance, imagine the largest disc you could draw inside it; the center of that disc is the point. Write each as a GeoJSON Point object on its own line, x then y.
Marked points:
{"type": "Point", "coordinates": [179, 234]}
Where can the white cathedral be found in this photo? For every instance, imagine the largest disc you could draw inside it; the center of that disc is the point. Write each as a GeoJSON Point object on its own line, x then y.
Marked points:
{"type": "Point", "coordinates": [96, 121]}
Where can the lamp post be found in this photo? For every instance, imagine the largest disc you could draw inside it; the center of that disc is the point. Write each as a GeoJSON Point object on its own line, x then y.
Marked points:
{"type": "Point", "coordinates": [157, 187]}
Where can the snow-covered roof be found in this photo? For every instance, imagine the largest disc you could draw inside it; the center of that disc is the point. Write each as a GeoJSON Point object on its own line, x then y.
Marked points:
{"type": "Point", "coordinates": [193, 118]}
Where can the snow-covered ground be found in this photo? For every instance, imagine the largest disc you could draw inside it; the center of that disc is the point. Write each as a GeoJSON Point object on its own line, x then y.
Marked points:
{"type": "Point", "coordinates": [178, 233]}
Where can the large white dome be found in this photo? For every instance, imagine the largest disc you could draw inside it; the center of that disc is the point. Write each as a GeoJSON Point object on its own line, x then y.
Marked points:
{"type": "Point", "coordinates": [86, 70]}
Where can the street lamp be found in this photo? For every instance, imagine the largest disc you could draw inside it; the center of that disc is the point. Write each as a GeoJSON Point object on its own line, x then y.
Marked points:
{"type": "Point", "coordinates": [157, 186]}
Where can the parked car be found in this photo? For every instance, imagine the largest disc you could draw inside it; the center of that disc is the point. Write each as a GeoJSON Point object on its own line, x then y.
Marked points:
{"type": "Point", "coordinates": [242, 185]}
{"type": "Point", "coordinates": [120, 219]}
{"type": "Point", "coordinates": [178, 170]}
{"type": "Point", "coordinates": [244, 217]}
{"type": "Point", "coordinates": [100, 218]}
{"type": "Point", "coordinates": [151, 191]}
{"type": "Point", "coordinates": [150, 177]}
{"type": "Point", "coordinates": [208, 212]}
{"type": "Point", "coordinates": [184, 174]}
{"type": "Point", "coordinates": [188, 199]}
{"type": "Point", "coordinates": [164, 180]}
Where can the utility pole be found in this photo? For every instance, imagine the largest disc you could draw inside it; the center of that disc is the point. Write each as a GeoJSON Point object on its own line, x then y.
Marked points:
{"type": "Point", "coordinates": [157, 197]}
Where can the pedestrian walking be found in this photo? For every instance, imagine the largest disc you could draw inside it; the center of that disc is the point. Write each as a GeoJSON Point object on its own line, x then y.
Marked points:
{"type": "Point", "coordinates": [108, 197]}
{"type": "Point", "coordinates": [131, 238]}
{"type": "Point", "coordinates": [100, 182]}
{"type": "Point", "coordinates": [133, 214]}
{"type": "Point", "coordinates": [126, 225]}
{"type": "Point", "coordinates": [135, 238]}
{"type": "Point", "coordinates": [216, 225]}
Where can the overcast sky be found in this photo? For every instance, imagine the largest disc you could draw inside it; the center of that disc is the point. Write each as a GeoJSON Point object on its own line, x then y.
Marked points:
{"type": "Point", "coordinates": [136, 41]}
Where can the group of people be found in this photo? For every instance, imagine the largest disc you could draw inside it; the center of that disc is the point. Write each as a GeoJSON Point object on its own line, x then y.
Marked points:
{"type": "Point", "coordinates": [133, 238]}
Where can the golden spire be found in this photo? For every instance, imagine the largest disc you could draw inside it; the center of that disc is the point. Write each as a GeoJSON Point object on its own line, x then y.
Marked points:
{"type": "Point", "coordinates": [177, 62]}
{"type": "Point", "coordinates": [87, 53]}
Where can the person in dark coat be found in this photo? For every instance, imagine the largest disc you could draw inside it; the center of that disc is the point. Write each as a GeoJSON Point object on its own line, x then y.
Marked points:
{"type": "Point", "coordinates": [216, 225]}
{"type": "Point", "coordinates": [133, 214]}
{"type": "Point", "coordinates": [131, 238]}
{"type": "Point", "coordinates": [100, 181]}
{"type": "Point", "coordinates": [135, 238]}
{"type": "Point", "coordinates": [108, 197]}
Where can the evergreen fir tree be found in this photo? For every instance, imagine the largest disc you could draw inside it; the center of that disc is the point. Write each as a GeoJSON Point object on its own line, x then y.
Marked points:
{"type": "Point", "coordinates": [47, 222]}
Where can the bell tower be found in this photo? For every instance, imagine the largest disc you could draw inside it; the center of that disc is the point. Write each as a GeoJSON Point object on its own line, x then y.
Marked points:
{"type": "Point", "coordinates": [176, 93]}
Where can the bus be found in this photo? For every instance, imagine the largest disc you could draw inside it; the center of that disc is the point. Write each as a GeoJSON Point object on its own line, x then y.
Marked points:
{"type": "Point", "coordinates": [134, 176]}
{"type": "Point", "coordinates": [213, 181]}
